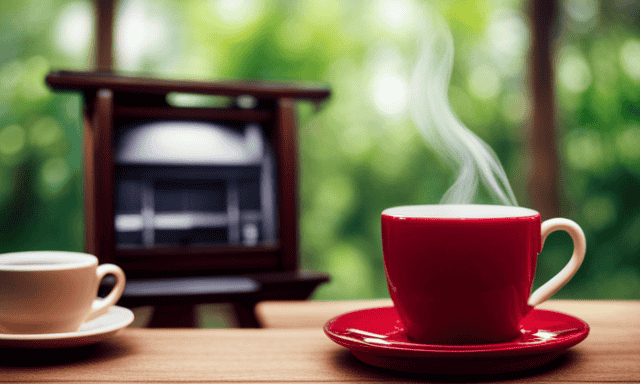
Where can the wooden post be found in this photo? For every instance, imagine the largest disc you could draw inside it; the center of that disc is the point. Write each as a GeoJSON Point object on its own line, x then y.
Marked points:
{"type": "Point", "coordinates": [287, 147]}
{"type": "Point", "coordinates": [104, 34]}
{"type": "Point", "coordinates": [104, 231]}
{"type": "Point", "coordinates": [545, 165]}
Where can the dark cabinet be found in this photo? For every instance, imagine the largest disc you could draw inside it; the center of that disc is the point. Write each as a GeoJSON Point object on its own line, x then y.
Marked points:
{"type": "Point", "coordinates": [174, 192]}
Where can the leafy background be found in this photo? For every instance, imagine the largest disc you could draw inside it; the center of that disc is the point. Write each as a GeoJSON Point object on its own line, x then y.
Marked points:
{"type": "Point", "coordinates": [361, 152]}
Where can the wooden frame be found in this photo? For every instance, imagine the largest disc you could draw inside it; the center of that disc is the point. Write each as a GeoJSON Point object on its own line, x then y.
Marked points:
{"type": "Point", "coordinates": [110, 97]}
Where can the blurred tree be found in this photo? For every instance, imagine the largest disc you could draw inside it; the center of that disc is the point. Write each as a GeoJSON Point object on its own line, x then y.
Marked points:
{"type": "Point", "coordinates": [361, 153]}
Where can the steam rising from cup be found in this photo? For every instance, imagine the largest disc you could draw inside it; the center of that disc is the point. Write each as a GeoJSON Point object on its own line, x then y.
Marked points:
{"type": "Point", "coordinates": [473, 159]}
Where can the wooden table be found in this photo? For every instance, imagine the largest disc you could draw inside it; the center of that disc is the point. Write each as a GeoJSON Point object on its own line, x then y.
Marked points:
{"type": "Point", "coordinates": [295, 349]}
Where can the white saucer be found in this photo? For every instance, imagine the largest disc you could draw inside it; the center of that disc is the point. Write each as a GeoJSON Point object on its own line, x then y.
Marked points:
{"type": "Point", "coordinates": [93, 331]}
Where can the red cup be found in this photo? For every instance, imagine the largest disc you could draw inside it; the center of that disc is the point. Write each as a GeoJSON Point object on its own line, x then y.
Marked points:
{"type": "Point", "coordinates": [462, 274]}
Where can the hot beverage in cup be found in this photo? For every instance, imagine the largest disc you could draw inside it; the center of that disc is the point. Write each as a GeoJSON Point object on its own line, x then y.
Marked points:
{"type": "Point", "coordinates": [53, 291]}
{"type": "Point", "coordinates": [462, 274]}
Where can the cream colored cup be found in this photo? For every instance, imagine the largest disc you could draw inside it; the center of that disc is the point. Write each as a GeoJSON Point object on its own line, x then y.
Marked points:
{"type": "Point", "coordinates": [53, 291]}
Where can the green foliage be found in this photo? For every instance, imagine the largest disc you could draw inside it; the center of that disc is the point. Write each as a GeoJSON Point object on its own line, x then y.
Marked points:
{"type": "Point", "coordinates": [361, 152]}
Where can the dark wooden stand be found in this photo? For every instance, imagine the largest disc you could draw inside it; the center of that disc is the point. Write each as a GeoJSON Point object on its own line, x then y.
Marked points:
{"type": "Point", "coordinates": [175, 299]}
{"type": "Point", "coordinates": [176, 278]}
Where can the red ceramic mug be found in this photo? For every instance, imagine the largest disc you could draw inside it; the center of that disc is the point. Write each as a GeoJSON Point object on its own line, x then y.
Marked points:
{"type": "Point", "coordinates": [462, 274]}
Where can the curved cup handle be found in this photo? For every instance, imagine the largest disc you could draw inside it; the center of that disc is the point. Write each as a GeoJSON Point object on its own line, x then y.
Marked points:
{"type": "Point", "coordinates": [100, 306]}
{"type": "Point", "coordinates": [579, 248]}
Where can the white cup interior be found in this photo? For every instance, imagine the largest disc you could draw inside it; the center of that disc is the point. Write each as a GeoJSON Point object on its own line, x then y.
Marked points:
{"type": "Point", "coordinates": [45, 261]}
{"type": "Point", "coordinates": [459, 211]}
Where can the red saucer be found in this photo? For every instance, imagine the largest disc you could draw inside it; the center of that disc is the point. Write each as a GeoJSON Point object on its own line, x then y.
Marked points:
{"type": "Point", "coordinates": [376, 336]}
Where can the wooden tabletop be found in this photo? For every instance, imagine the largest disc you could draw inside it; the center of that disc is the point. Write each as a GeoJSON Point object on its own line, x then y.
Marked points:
{"type": "Point", "coordinates": [295, 349]}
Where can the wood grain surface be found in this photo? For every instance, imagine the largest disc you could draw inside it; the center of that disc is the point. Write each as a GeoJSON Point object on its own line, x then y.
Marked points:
{"type": "Point", "coordinates": [611, 353]}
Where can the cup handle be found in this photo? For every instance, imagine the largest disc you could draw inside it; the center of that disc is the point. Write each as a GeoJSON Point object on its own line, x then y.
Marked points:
{"type": "Point", "coordinates": [100, 306]}
{"type": "Point", "coordinates": [579, 248]}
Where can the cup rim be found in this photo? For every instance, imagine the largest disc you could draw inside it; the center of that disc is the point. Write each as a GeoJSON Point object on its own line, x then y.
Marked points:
{"type": "Point", "coordinates": [459, 212]}
{"type": "Point", "coordinates": [45, 261]}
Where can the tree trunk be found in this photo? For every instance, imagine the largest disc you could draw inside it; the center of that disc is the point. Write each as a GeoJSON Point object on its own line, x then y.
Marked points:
{"type": "Point", "coordinates": [545, 165]}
